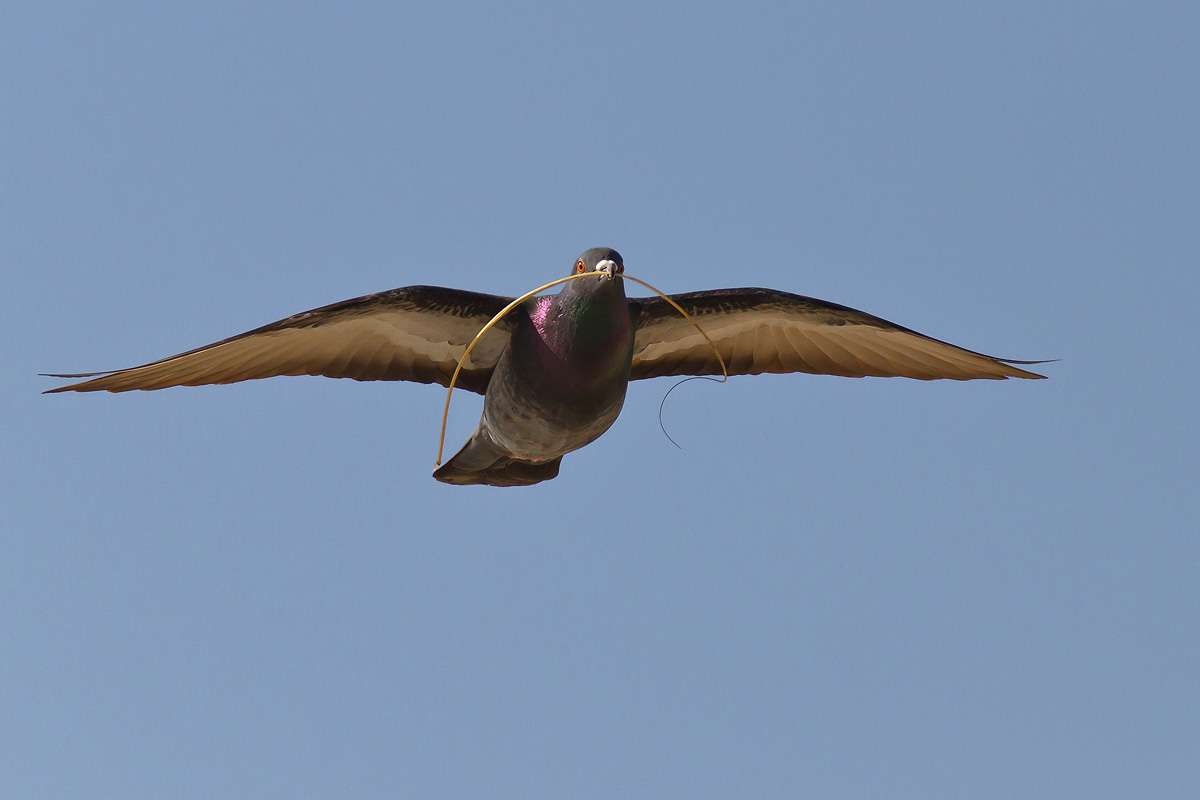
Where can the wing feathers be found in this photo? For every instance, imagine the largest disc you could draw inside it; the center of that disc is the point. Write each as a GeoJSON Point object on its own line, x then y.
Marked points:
{"type": "Point", "coordinates": [419, 333]}
{"type": "Point", "coordinates": [413, 334]}
{"type": "Point", "coordinates": [762, 330]}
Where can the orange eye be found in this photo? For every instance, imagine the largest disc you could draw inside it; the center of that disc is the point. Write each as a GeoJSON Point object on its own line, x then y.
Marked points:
{"type": "Point", "coordinates": [579, 266]}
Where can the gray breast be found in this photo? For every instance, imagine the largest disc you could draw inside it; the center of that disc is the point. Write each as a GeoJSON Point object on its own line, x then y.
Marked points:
{"type": "Point", "coordinates": [543, 402]}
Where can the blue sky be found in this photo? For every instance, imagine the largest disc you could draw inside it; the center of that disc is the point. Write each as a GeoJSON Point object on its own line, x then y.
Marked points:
{"type": "Point", "coordinates": [837, 588]}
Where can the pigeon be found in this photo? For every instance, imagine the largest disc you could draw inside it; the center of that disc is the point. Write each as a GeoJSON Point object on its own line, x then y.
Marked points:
{"type": "Point", "coordinates": [554, 371]}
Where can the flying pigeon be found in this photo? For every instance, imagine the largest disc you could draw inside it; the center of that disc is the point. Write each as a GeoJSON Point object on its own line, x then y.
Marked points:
{"type": "Point", "coordinates": [553, 372]}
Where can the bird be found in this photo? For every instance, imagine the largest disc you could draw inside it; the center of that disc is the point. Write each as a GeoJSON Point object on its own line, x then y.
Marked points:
{"type": "Point", "coordinates": [554, 371]}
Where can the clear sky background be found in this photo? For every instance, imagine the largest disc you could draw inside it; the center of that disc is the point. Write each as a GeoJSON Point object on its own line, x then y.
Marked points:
{"type": "Point", "coordinates": [837, 588]}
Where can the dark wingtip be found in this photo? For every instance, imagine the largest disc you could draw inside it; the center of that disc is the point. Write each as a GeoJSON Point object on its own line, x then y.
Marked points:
{"type": "Point", "coordinates": [74, 387]}
{"type": "Point", "coordinates": [58, 389]}
{"type": "Point", "coordinates": [1026, 374]}
{"type": "Point", "coordinates": [76, 374]}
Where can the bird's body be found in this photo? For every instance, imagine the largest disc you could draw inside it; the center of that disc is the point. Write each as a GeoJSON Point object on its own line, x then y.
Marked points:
{"type": "Point", "coordinates": [555, 370]}
{"type": "Point", "coordinates": [558, 386]}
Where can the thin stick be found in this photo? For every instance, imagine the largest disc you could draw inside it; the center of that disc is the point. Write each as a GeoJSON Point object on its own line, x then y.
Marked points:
{"type": "Point", "coordinates": [526, 296]}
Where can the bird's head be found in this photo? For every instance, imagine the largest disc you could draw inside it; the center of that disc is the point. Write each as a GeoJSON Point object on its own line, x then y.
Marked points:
{"type": "Point", "coordinates": [604, 261]}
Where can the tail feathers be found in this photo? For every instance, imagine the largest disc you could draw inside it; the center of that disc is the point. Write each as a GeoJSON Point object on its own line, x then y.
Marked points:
{"type": "Point", "coordinates": [480, 461]}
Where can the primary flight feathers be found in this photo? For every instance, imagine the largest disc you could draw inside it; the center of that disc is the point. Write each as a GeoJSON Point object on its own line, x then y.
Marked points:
{"type": "Point", "coordinates": [417, 333]}
{"type": "Point", "coordinates": [763, 330]}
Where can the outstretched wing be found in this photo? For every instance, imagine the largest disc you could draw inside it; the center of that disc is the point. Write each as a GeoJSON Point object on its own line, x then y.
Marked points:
{"type": "Point", "coordinates": [763, 330]}
{"type": "Point", "coordinates": [417, 333]}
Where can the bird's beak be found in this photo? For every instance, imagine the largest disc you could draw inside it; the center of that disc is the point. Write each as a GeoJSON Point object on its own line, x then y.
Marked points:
{"type": "Point", "coordinates": [607, 268]}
